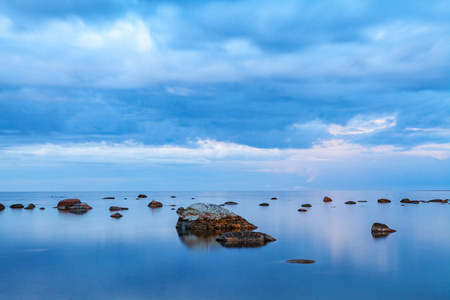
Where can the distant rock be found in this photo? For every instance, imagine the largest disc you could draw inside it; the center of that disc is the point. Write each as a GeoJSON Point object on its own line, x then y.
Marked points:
{"type": "Point", "coordinates": [327, 199]}
{"type": "Point", "coordinates": [274, 198]}
{"type": "Point", "coordinates": [180, 210]}
{"type": "Point", "coordinates": [192, 198]}
{"type": "Point", "coordinates": [109, 198]}
{"type": "Point", "coordinates": [384, 200]}
{"type": "Point", "coordinates": [173, 205]}
{"type": "Point", "coordinates": [362, 201]}
{"type": "Point", "coordinates": [301, 261]}
{"type": "Point", "coordinates": [2, 207]}
{"type": "Point", "coordinates": [30, 206]}
{"type": "Point", "coordinates": [142, 196]}
{"type": "Point", "coordinates": [17, 206]}
{"type": "Point", "coordinates": [241, 239]}
{"type": "Point", "coordinates": [306, 205]}
{"type": "Point", "coordinates": [173, 208]}
{"type": "Point", "coordinates": [155, 204]}
{"type": "Point", "coordinates": [438, 201]}
{"type": "Point", "coordinates": [78, 209]}
{"type": "Point", "coordinates": [350, 202]}
{"type": "Point", "coordinates": [41, 208]}
{"type": "Point", "coordinates": [381, 230]}
{"type": "Point", "coordinates": [264, 204]}
{"type": "Point", "coordinates": [231, 203]}
{"type": "Point", "coordinates": [67, 203]}
{"type": "Point", "coordinates": [173, 197]}
{"type": "Point", "coordinates": [302, 210]}
{"type": "Point", "coordinates": [117, 208]}
{"type": "Point", "coordinates": [204, 217]}
{"type": "Point", "coordinates": [414, 202]}
{"type": "Point", "coordinates": [405, 200]}
{"type": "Point", "coordinates": [116, 216]}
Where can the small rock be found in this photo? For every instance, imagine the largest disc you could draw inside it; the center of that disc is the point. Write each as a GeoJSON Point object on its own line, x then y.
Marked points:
{"type": "Point", "coordinates": [78, 209]}
{"type": "Point", "coordinates": [117, 208]}
{"type": "Point", "coordinates": [42, 208]}
{"type": "Point", "coordinates": [274, 198]}
{"type": "Point", "coordinates": [173, 197]}
{"type": "Point", "coordinates": [155, 204]}
{"type": "Point", "coordinates": [17, 206]}
{"type": "Point", "coordinates": [362, 201]}
{"type": "Point", "coordinates": [192, 198]}
{"type": "Point", "coordinates": [67, 203]}
{"type": "Point", "coordinates": [438, 201]}
{"type": "Point", "coordinates": [301, 261]}
{"type": "Point", "coordinates": [302, 210]}
{"type": "Point", "coordinates": [306, 205]}
{"type": "Point", "coordinates": [384, 200]}
{"type": "Point", "coordinates": [414, 202]}
{"type": "Point", "coordinates": [381, 230]}
{"type": "Point", "coordinates": [173, 205]}
{"type": "Point", "coordinates": [109, 198]}
{"type": "Point", "coordinates": [2, 207]}
{"type": "Point", "coordinates": [125, 198]}
{"type": "Point", "coordinates": [264, 204]}
{"type": "Point", "coordinates": [327, 199]}
{"type": "Point", "coordinates": [350, 202]}
{"type": "Point", "coordinates": [180, 210]}
{"type": "Point", "coordinates": [231, 203]}
{"type": "Point", "coordinates": [142, 196]}
{"type": "Point", "coordinates": [240, 239]}
{"type": "Point", "coordinates": [222, 204]}
{"type": "Point", "coordinates": [30, 206]}
{"type": "Point", "coordinates": [172, 208]}
{"type": "Point", "coordinates": [405, 200]}
{"type": "Point", "coordinates": [116, 216]}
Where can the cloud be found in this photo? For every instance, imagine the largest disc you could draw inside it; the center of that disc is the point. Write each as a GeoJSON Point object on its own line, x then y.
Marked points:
{"type": "Point", "coordinates": [363, 125]}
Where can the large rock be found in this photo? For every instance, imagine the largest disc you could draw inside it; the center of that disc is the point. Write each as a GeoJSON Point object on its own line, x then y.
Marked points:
{"type": "Point", "coordinates": [16, 206]}
{"type": "Point", "coordinates": [66, 204]}
{"type": "Point", "coordinates": [78, 209]}
{"type": "Point", "coordinates": [2, 207]}
{"type": "Point", "coordinates": [204, 217]}
{"type": "Point", "coordinates": [85, 205]}
{"type": "Point", "coordinates": [155, 204]}
{"type": "Point", "coordinates": [381, 230]}
{"type": "Point", "coordinates": [244, 239]}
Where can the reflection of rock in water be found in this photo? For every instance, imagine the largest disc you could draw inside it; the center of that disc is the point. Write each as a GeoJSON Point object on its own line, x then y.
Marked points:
{"type": "Point", "coordinates": [381, 230]}
{"type": "Point", "coordinates": [380, 234]}
{"type": "Point", "coordinates": [199, 241]}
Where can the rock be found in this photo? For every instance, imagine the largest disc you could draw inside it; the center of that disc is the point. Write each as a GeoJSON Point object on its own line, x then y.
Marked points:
{"type": "Point", "coordinates": [85, 205]}
{"type": "Point", "coordinates": [414, 202]}
{"type": "Point", "coordinates": [381, 230]}
{"type": "Point", "coordinates": [302, 210]}
{"type": "Point", "coordinates": [384, 200]}
{"type": "Point", "coordinates": [173, 197]}
{"type": "Point", "coordinates": [172, 208]}
{"type": "Point", "coordinates": [2, 207]}
{"type": "Point", "coordinates": [180, 210]}
{"type": "Point", "coordinates": [42, 208]}
{"type": "Point", "coordinates": [221, 204]}
{"type": "Point", "coordinates": [405, 200]}
{"type": "Point", "coordinates": [231, 203]}
{"type": "Point", "coordinates": [173, 205]}
{"type": "Point", "coordinates": [192, 198]}
{"type": "Point", "coordinates": [301, 261]}
{"type": "Point", "coordinates": [306, 205]}
{"type": "Point", "coordinates": [350, 202]}
{"type": "Point", "coordinates": [30, 206]}
{"type": "Point", "coordinates": [116, 216]}
{"type": "Point", "coordinates": [327, 199]}
{"type": "Point", "coordinates": [67, 203]}
{"type": "Point", "coordinates": [17, 206]}
{"type": "Point", "coordinates": [155, 204]}
{"type": "Point", "coordinates": [274, 198]}
{"type": "Point", "coordinates": [438, 201]}
{"type": "Point", "coordinates": [78, 209]}
{"type": "Point", "coordinates": [362, 201]}
{"type": "Point", "coordinates": [240, 239]}
{"type": "Point", "coordinates": [117, 208]}
{"type": "Point", "coordinates": [264, 204]}
{"type": "Point", "coordinates": [205, 217]}
{"type": "Point", "coordinates": [109, 198]}
{"type": "Point", "coordinates": [142, 196]}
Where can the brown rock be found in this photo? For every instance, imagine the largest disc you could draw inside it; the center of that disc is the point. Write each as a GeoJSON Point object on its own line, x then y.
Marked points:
{"type": "Point", "coordinates": [438, 201]}
{"type": "Point", "coordinates": [274, 198]}
{"type": "Point", "coordinates": [231, 203]}
{"type": "Point", "coordinates": [173, 197]}
{"type": "Point", "coordinates": [86, 206]}
{"type": "Point", "coordinates": [302, 210]}
{"type": "Point", "coordinates": [109, 198]}
{"type": "Point", "coordinates": [405, 200]}
{"type": "Point", "coordinates": [414, 202]}
{"type": "Point", "coordinates": [42, 208]}
{"type": "Point", "coordinates": [17, 206]}
{"type": "Point", "coordinates": [78, 209]}
{"type": "Point", "coordinates": [142, 196]}
{"type": "Point", "coordinates": [180, 210]}
{"type": "Point", "coordinates": [264, 204]}
{"type": "Point", "coordinates": [363, 201]}
{"type": "Point", "coordinates": [67, 203]}
{"type": "Point", "coordinates": [30, 206]}
{"type": "Point", "coordinates": [116, 216]}
{"type": "Point", "coordinates": [239, 239]}
{"type": "Point", "coordinates": [306, 205]}
{"type": "Point", "coordinates": [381, 230]}
{"type": "Point", "coordinates": [2, 207]}
{"type": "Point", "coordinates": [301, 261]}
{"type": "Point", "coordinates": [155, 204]}
{"type": "Point", "coordinates": [327, 199]}
{"type": "Point", "coordinates": [384, 200]}
{"type": "Point", "coordinates": [117, 208]}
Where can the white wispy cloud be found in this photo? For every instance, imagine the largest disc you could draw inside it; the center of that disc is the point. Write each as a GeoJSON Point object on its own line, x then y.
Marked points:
{"type": "Point", "coordinates": [363, 124]}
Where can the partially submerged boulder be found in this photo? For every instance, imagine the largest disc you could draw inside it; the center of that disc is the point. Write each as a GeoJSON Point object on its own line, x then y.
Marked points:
{"type": "Point", "coordinates": [230, 203]}
{"type": "Point", "coordinates": [240, 239]}
{"type": "Point", "coordinates": [16, 206]}
{"type": "Point", "coordinates": [85, 205]}
{"type": "Point", "coordinates": [302, 210]}
{"type": "Point", "coordinates": [350, 202]}
{"type": "Point", "coordinates": [301, 261]}
{"type": "Point", "coordinates": [2, 207]}
{"type": "Point", "coordinates": [155, 204]}
{"type": "Point", "coordinates": [381, 230]}
{"type": "Point", "coordinates": [384, 200]}
{"type": "Point", "coordinates": [204, 217]}
{"type": "Point", "coordinates": [30, 206]}
{"type": "Point", "coordinates": [327, 199]}
{"type": "Point", "coordinates": [117, 208]}
{"type": "Point", "coordinates": [109, 198]}
{"type": "Point", "coordinates": [142, 196]}
{"type": "Point", "coordinates": [264, 204]}
{"type": "Point", "coordinates": [67, 203]}
{"type": "Point", "coordinates": [405, 200]}
{"type": "Point", "coordinates": [306, 205]}
{"type": "Point", "coordinates": [116, 216]}
{"type": "Point", "coordinates": [78, 209]}
{"type": "Point", "coordinates": [438, 201]}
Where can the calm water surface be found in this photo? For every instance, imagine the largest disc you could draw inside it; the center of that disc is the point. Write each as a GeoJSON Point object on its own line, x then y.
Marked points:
{"type": "Point", "coordinates": [47, 254]}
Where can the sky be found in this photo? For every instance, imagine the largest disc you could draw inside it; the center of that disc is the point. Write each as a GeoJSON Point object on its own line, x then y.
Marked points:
{"type": "Point", "coordinates": [224, 95]}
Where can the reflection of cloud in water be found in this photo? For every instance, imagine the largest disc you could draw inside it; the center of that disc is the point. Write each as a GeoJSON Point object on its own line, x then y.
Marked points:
{"type": "Point", "coordinates": [199, 242]}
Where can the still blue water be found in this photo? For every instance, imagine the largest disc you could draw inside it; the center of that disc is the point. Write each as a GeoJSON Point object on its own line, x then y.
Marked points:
{"type": "Point", "coordinates": [47, 254]}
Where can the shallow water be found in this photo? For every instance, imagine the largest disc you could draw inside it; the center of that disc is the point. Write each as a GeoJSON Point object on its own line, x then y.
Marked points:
{"type": "Point", "coordinates": [47, 254]}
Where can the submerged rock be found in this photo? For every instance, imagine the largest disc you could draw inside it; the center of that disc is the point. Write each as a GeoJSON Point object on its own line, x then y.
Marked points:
{"type": "Point", "coordinates": [414, 202]}
{"type": "Point", "coordinates": [180, 210]}
{"type": "Point", "coordinates": [30, 206]}
{"type": "Point", "coordinates": [204, 217]}
{"type": "Point", "coordinates": [155, 204]}
{"type": "Point", "coordinates": [350, 202]}
{"type": "Point", "coordinates": [231, 203]}
{"type": "Point", "coordinates": [264, 204]}
{"type": "Point", "coordinates": [381, 230]}
{"type": "Point", "coordinates": [67, 203]}
{"type": "Point", "coordinates": [301, 261]}
{"type": "Point", "coordinates": [384, 200]}
{"type": "Point", "coordinates": [327, 199]}
{"type": "Point", "coordinates": [116, 216]}
{"type": "Point", "coordinates": [240, 239]}
{"type": "Point", "coordinates": [17, 206]}
{"type": "Point", "coordinates": [2, 207]}
{"type": "Point", "coordinates": [142, 196]}
{"type": "Point", "coordinates": [109, 198]}
{"type": "Point", "coordinates": [78, 209]}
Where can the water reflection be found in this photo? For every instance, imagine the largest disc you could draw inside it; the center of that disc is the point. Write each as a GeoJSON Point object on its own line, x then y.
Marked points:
{"type": "Point", "coordinates": [199, 241]}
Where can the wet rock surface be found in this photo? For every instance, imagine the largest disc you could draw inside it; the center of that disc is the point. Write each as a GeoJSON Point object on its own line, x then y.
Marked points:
{"type": "Point", "coordinates": [301, 261]}
{"type": "Point", "coordinates": [155, 204]}
{"type": "Point", "coordinates": [16, 206]}
{"type": "Point", "coordinates": [405, 200]}
{"type": "Point", "coordinates": [302, 210]}
{"type": "Point", "coordinates": [117, 208]}
{"type": "Point", "coordinates": [274, 198]}
{"type": "Point", "coordinates": [67, 203]}
{"type": "Point", "coordinates": [239, 239]}
{"type": "Point", "coordinates": [438, 201]}
{"type": "Point", "coordinates": [204, 217]}
{"type": "Point", "coordinates": [381, 230]}
{"type": "Point", "coordinates": [327, 199]}
{"type": "Point", "coordinates": [384, 200]}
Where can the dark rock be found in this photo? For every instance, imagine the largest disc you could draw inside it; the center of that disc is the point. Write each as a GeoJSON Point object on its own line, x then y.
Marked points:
{"type": "Point", "coordinates": [231, 203]}
{"type": "Point", "coordinates": [414, 202]}
{"type": "Point", "coordinates": [109, 198]}
{"type": "Point", "coordinates": [192, 198]}
{"type": "Point", "coordinates": [173, 197]}
{"type": "Point", "coordinates": [274, 198]}
{"type": "Point", "coordinates": [306, 205]}
{"type": "Point", "coordinates": [85, 205]}
{"type": "Point", "coordinates": [327, 199]}
{"type": "Point", "coordinates": [117, 208]}
{"type": "Point", "coordinates": [116, 216]}
{"type": "Point", "coordinates": [350, 202]}
{"type": "Point", "coordinates": [438, 201]}
{"type": "Point", "coordinates": [172, 208]}
{"type": "Point", "coordinates": [180, 210]}
{"type": "Point", "coordinates": [17, 206]}
{"type": "Point", "coordinates": [362, 201]}
{"type": "Point", "coordinates": [301, 261]}
{"type": "Point", "coordinates": [78, 209]}
{"type": "Point", "coordinates": [302, 210]}
{"type": "Point", "coordinates": [405, 200]}
{"type": "Point", "coordinates": [240, 239]}
{"type": "Point", "coordinates": [384, 200]}
{"type": "Point", "coordinates": [221, 204]}
{"type": "Point", "coordinates": [42, 208]}
{"type": "Point", "coordinates": [264, 204]}
{"type": "Point", "coordinates": [142, 196]}
{"type": "Point", "coordinates": [67, 203]}
{"type": "Point", "coordinates": [204, 217]}
{"type": "Point", "coordinates": [155, 204]}
{"type": "Point", "coordinates": [125, 198]}
{"type": "Point", "coordinates": [30, 206]}
{"type": "Point", "coordinates": [2, 207]}
{"type": "Point", "coordinates": [381, 230]}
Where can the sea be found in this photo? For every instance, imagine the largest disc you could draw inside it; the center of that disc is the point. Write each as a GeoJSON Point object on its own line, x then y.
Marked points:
{"type": "Point", "coordinates": [49, 254]}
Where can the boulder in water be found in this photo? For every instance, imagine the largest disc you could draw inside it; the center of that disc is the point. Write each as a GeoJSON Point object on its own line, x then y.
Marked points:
{"type": "Point", "coordinates": [17, 206]}
{"type": "Point", "coordinates": [327, 199]}
{"type": "Point", "coordinates": [239, 239]}
{"type": "Point", "coordinates": [381, 230]}
{"type": "Point", "coordinates": [67, 203]}
{"type": "Point", "coordinates": [155, 204]}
